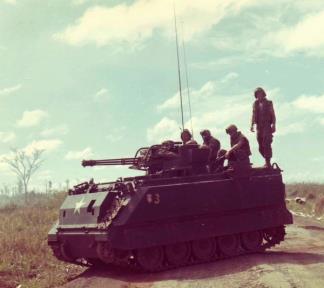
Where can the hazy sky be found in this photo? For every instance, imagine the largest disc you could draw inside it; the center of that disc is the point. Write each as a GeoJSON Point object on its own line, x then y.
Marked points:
{"type": "Point", "coordinates": [98, 79]}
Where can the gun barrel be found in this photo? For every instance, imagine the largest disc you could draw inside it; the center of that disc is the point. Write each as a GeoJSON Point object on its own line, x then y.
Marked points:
{"type": "Point", "coordinates": [108, 162]}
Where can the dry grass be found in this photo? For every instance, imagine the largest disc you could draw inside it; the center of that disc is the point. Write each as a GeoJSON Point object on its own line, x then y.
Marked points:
{"type": "Point", "coordinates": [25, 257]}
{"type": "Point", "coordinates": [314, 195]}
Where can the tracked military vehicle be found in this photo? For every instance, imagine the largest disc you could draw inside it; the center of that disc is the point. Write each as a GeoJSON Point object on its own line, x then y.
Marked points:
{"type": "Point", "coordinates": [179, 213]}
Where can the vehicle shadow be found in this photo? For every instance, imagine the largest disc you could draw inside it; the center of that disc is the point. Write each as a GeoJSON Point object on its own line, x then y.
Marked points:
{"type": "Point", "coordinates": [206, 270]}
{"type": "Point", "coordinates": [312, 227]}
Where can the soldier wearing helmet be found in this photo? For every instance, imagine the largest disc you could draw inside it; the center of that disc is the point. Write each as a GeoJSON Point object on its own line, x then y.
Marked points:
{"type": "Point", "coordinates": [186, 138]}
{"type": "Point", "coordinates": [213, 145]}
{"type": "Point", "coordinates": [240, 148]}
{"type": "Point", "coordinates": [264, 118]}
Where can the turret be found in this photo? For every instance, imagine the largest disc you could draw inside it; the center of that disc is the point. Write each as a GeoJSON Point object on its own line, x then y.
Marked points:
{"type": "Point", "coordinates": [169, 158]}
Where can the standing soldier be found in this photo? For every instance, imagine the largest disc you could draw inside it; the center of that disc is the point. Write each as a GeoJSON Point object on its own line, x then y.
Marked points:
{"type": "Point", "coordinates": [213, 145]}
{"type": "Point", "coordinates": [264, 118]}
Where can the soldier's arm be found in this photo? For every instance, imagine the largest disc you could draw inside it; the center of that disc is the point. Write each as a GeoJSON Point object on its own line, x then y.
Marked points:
{"type": "Point", "coordinates": [215, 145]}
{"type": "Point", "coordinates": [273, 118]}
{"type": "Point", "coordinates": [237, 146]}
{"type": "Point", "coordinates": [253, 120]}
{"type": "Point", "coordinates": [273, 115]}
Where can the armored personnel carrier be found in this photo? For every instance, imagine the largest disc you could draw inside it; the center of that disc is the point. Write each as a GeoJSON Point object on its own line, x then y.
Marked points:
{"type": "Point", "coordinates": [179, 213]}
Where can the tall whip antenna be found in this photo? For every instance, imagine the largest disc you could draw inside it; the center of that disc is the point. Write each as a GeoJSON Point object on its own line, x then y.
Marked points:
{"type": "Point", "coordinates": [179, 72]}
{"type": "Point", "coordinates": [187, 79]}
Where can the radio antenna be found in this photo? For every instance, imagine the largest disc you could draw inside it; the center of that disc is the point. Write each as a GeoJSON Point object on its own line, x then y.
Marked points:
{"type": "Point", "coordinates": [179, 72]}
{"type": "Point", "coordinates": [187, 79]}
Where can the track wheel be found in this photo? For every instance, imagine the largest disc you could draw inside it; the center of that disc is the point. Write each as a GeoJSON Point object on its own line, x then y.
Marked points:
{"type": "Point", "coordinates": [122, 257]}
{"type": "Point", "coordinates": [275, 235]}
{"type": "Point", "coordinates": [204, 249]}
{"type": "Point", "coordinates": [178, 254]}
{"type": "Point", "coordinates": [228, 245]}
{"type": "Point", "coordinates": [252, 241]}
{"type": "Point", "coordinates": [150, 259]}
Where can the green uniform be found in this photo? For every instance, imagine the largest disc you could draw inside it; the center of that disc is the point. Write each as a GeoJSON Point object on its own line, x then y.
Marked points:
{"type": "Point", "coordinates": [243, 152]}
{"type": "Point", "coordinates": [264, 117]}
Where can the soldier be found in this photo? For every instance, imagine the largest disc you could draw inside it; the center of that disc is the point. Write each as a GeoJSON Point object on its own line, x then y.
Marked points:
{"type": "Point", "coordinates": [213, 145]}
{"type": "Point", "coordinates": [220, 160]}
{"type": "Point", "coordinates": [240, 148]}
{"type": "Point", "coordinates": [264, 117]}
{"type": "Point", "coordinates": [186, 138]}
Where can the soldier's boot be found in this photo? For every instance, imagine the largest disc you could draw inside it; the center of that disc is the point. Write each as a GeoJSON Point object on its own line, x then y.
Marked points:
{"type": "Point", "coordinates": [268, 163]}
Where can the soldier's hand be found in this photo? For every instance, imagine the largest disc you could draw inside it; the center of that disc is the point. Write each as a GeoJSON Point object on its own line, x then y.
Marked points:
{"type": "Point", "coordinates": [273, 128]}
{"type": "Point", "coordinates": [252, 128]}
{"type": "Point", "coordinates": [227, 155]}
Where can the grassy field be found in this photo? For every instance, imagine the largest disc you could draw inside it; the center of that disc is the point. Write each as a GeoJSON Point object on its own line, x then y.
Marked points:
{"type": "Point", "coordinates": [313, 194]}
{"type": "Point", "coordinates": [25, 258]}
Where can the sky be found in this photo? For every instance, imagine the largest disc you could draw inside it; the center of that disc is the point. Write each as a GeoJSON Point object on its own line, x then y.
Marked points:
{"type": "Point", "coordinates": [98, 79]}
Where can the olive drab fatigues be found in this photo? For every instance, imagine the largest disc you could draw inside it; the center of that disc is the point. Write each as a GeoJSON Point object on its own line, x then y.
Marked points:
{"type": "Point", "coordinates": [264, 117]}
{"type": "Point", "coordinates": [214, 146]}
{"type": "Point", "coordinates": [243, 153]}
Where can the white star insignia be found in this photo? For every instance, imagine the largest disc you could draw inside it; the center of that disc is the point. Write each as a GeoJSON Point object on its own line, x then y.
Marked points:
{"type": "Point", "coordinates": [78, 205]}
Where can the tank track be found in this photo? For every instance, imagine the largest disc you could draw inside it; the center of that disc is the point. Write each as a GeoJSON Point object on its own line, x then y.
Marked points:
{"type": "Point", "coordinates": [59, 254]}
{"type": "Point", "coordinates": [270, 238]}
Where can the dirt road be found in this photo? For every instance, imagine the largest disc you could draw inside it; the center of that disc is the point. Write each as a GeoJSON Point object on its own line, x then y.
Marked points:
{"type": "Point", "coordinates": [298, 262]}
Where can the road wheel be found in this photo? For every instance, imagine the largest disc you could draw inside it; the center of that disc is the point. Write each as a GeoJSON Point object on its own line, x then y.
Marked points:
{"type": "Point", "coordinates": [178, 254]}
{"type": "Point", "coordinates": [204, 249]}
{"type": "Point", "coordinates": [150, 259]}
{"type": "Point", "coordinates": [228, 245]}
{"type": "Point", "coordinates": [274, 235]}
{"type": "Point", "coordinates": [252, 241]}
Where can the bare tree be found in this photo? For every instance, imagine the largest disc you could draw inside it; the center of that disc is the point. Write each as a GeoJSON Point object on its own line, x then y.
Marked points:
{"type": "Point", "coordinates": [24, 165]}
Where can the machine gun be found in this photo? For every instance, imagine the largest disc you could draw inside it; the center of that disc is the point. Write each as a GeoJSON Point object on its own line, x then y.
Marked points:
{"type": "Point", "coordinates": [108, 162]}
{"type": "Point", "coordinates": [151, 159]}
{"type": "Point", "coordinates": [142, 159]}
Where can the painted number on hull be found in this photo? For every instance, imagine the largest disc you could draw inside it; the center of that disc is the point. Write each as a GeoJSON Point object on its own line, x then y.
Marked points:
{"type": "Point", "coordinates": [153, 198]}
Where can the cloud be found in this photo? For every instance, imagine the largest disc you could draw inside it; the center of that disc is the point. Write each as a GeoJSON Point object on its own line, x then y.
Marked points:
{"type": "Point", "coordinates": [134, 23]}
{"type": "Point", "coordinates": [79, 155]}
{"type": "Point", "coordinates": [6, 137]}
{"type": "Point", "coordinates": [207, 92]}
{"type": "Point", "coordinates": [10, 90]}
{"type": "Point", "coordinates": [305, 36]}
{"type": "Point", "coordinates": [313, 104]}
{"type": "Point", "coordinates": [46, 145]}
{"type": "Point", "coordinates": [165, 129]}
{"type": "Point", "coordinates": [291, 128]}
{"type": "Point", "coordinates": [229, 77]}
{"type": "Point", "coordinates": [102, 95]}
{"type": "Point", "coordinates": [12, 2]}
{"type": "Point", "coordinates": [218, 64]}
{"type": "Point", "coordinates": [59, 130]}
{"type": "Point", "coordinates": [214, 107]}
{"type": "Point", "coordinates": [281, 29]}
{"type": "Point", "coordinates": [32, 118]}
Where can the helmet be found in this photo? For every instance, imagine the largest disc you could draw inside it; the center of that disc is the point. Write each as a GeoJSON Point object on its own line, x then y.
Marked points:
{"type": "Point", "coordinates": [205, 132]}
{"type": "Point", "coordinates": [231, 128]}
{"type": "Point", "coordinates": [186, 131]}
{"type": "Point", "coordinates": [259, 90]}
